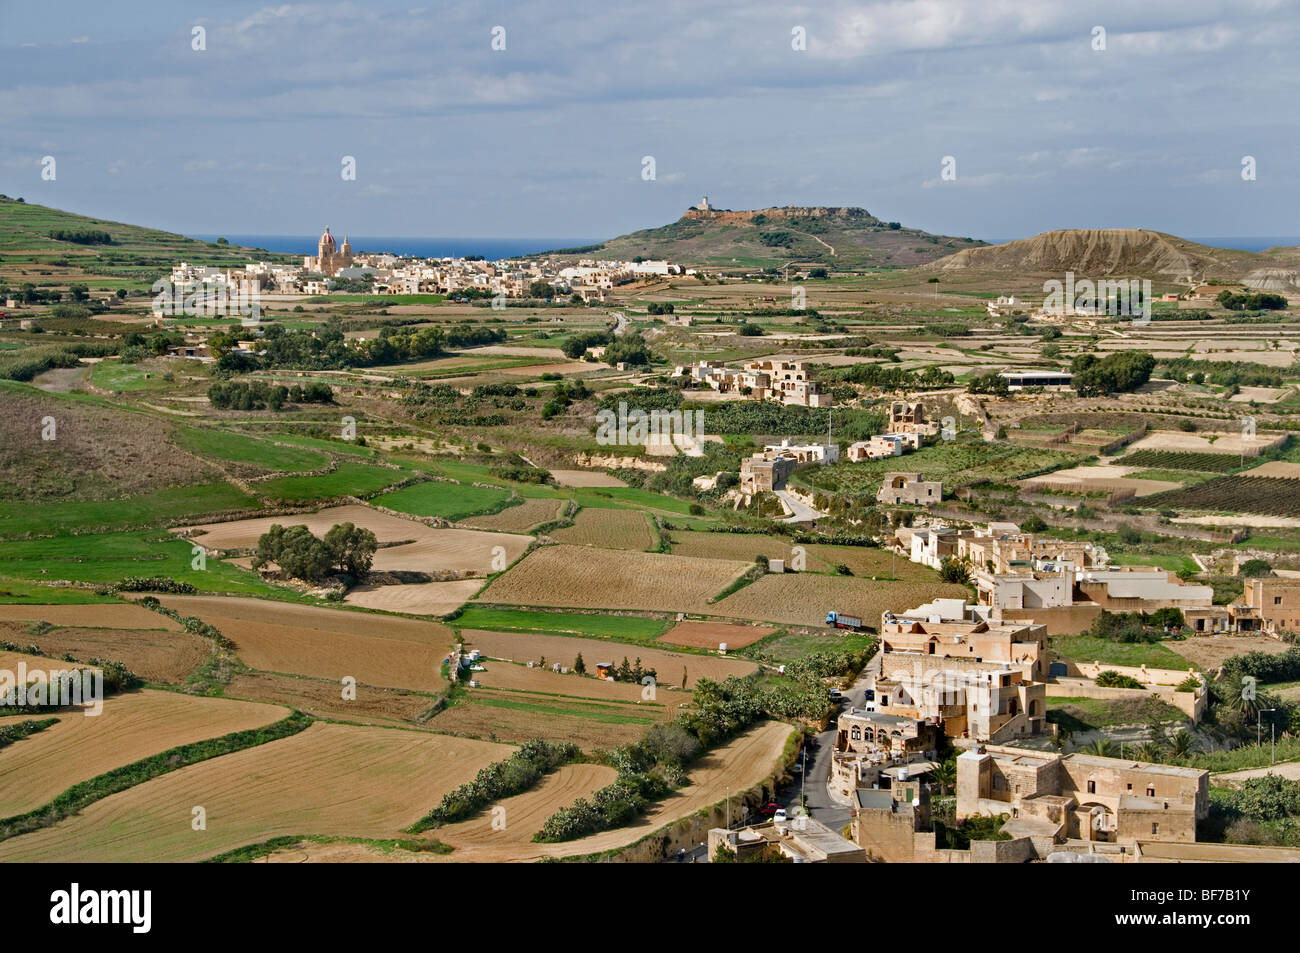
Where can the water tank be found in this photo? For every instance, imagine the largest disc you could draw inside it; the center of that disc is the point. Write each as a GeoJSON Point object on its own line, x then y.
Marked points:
{"type": "Point", "coordinates": [722, 648]}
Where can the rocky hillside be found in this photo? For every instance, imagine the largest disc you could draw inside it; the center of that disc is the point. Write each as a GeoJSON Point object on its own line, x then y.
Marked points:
{"type": "Point", "coordinates": [840, 239]}
{"type": "Point", "coordinates": [1130, 252]}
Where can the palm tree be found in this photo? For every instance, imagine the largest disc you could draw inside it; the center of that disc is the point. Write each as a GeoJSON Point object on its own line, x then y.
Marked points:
{"type": "Point", "coordinates": [1182, 744]}
{"type": "Point", "coordinates": [1102, 748]}
{"type": "Point", "coordinates": [945, 775]}
{"type": "Point", "coordinates": [1150, 751]}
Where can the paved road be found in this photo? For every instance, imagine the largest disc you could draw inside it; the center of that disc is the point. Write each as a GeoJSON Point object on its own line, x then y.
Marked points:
{"type": "Point", "coordinates": [812, 784]}
{"type": "Point", "coordinates": [621, 323]}
{"type": "Point", "coordinates": [803, 513]}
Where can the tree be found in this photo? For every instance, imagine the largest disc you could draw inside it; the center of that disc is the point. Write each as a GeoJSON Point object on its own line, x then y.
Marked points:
{"type": "Point", "coordinates": [1113, 679]}
{"type": "Point", "coordinates": [541, 289]}
{"type": "Point", "coordinates": [579, 666]}
{"type": "Point", "coordinates": [1101, 748]}
{"type": "Point", "coordinates": [1269, 798]}
{"type": "Point", "coordinates": [1253, 568]}
{"type": "Point", "coordinates": [954, 570]}
{"type": "Point", "coordinates": [352, 549]}
{"type": "Point", "coordinates": [1182, 744]}
{"type": "Point", "coordinates": [945, 775]}
{"type": "Point", "coordinates": [298, 553]}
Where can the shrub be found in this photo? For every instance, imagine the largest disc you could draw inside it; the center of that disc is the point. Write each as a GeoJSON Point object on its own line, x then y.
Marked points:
{"type": "Point", "coordinates": [1113, 679]}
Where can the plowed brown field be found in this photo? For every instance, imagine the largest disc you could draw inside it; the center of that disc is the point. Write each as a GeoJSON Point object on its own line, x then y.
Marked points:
{"type": "Point", "coordinates": [113, 616]}
{"type": "Point", "coordinates": [708, 635]}
{"type": "Point", "coordinates": [327, 643]}
{"type": "Point", "coordinates": [609, 529]}
{"type": "Point", "coordinates": [584, 578]}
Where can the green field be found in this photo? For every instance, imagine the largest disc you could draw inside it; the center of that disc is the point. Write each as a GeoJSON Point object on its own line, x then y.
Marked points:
{"type": "Point", "coordinates": [1085, 648]}
{"type": "Point", "coordinates": [111, 557]}
{"type": "Point", "coordinates": [238, 448]}
{"type": "Point", "coordinates": [1082, 714]}
{"type": "Point", "coordinates": [113, 375]}
{"type": "Point", "coordinates": [25, 592]}
{"type": "Point", "coordinates": [788, 646]}
{"type": "Point", "coordinates": [452, 501]}
{"type": "Point", "coordinates": [334, 446]}
{"type": "Point", "coordinates": [153, 509]}
{"type": "Point", "coordinates": [599, 626]}
{"type": "Point", "coordinates": [349, 479]}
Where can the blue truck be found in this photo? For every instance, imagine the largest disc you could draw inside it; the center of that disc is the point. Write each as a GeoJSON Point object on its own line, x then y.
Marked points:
{"type": "Point", "coordinates": [842, 621]}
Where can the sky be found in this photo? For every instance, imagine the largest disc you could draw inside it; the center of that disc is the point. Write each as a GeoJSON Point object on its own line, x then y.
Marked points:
{"type": "Point", "coordinates": [1054, 114]}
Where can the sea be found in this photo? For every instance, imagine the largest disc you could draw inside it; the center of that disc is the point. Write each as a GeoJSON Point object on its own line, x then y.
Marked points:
{"type": "Point", "coordinates": [493, 249]}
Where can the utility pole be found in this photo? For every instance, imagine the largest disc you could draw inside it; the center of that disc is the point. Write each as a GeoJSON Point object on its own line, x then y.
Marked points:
{"type": "Point", "coordinates": [1271, 729]}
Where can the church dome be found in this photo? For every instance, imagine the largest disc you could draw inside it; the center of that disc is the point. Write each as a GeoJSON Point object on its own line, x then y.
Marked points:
{"type": "Point", "coordinates": [327, 238]}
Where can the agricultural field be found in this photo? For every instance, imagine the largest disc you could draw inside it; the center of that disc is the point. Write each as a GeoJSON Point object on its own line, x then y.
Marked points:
{"type": "Point", "coordinates": [585, 478]}
{"type": "Point", "coordinates": [519, 518]}
{"type": "Point", "coordinates": [744, 762]}
{"type": "Point", "coordinates": [867, 561]}
{"type": "Point", "coordinates": [1182, 460]}
{"type": "Point", "coordinates": [363, 781]}
{"type": "Point", "coordinates": [450, 501]}
{"type": "Point", "coordinates": [376, 650]}
{"type": "Point", "coordinates": [121, 615]}
{"type": "Point", "coordinates": [596, 625]}
{"type": "Point", "coordinates": [805, 598]}
{"type": "Point", "coordinates": [418, 598]}
{"type": "Point", "coordinates": [405, 544]}
{"type": "Point", "coordinates": [132, 726]}
{"type": "Point", "coordinates": [609, 529]}
{"type": "Point", "coordinates": [1264, 496]}
{"type": "Point", "coordinates": [524, 647]}
{"type": "Point", "coordinates": [322, 698]}
{"type": "Point", "coordinates": [708, 635]}
{"type": "Point", "coordinates": [156, 655]}
{"type": "Point", "coordinates": [578, 577]}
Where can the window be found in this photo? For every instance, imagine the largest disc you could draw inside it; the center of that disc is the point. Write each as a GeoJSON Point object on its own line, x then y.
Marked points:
{"type": "Point", "coordinates": [1277, 600]}
{"type": "Point", "coordinates": [1130, 787]}
{"type": "Point", "coordinates": [1155, 828]}
{"type": "Point", "coordinates": [1151, 790]}
{"type": "Point", "coordinates": [1092, 787]}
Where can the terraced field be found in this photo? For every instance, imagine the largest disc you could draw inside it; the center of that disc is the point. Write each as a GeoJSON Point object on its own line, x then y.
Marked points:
{"type": "Point", "coordinates": [376, 650]}
{"type": "Point", "coordinates": [363, 781]}
{"type": "Point", "coordinates": [132, 726]}
{"type": "Point", "coordinates": [531, 647]}
{"type": "Point", "coordinates": [580, 577]}
{"type": "Point", "coordinates": [805, 598]}
{"type": "Point", "coordinates": [609, 529]}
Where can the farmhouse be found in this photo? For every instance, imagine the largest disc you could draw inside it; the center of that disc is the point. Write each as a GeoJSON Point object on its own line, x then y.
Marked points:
{"type": "Point", "coordinates": [1068, 599]}
{"type": "Point", "coordinates": [898, 488]}
{"type": "Point", "coordinates": [1106, 800]}
{"type": "Point", "coordinates": [1268, 603]}
{"type": "Point", "coordinates": [1048, 380]}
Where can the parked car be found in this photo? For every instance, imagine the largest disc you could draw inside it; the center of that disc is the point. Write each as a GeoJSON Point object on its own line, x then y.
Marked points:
{"type": "Point", "coordinates": [770, 808]}
{"type": "Point", "coordinates": [780, 816]}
